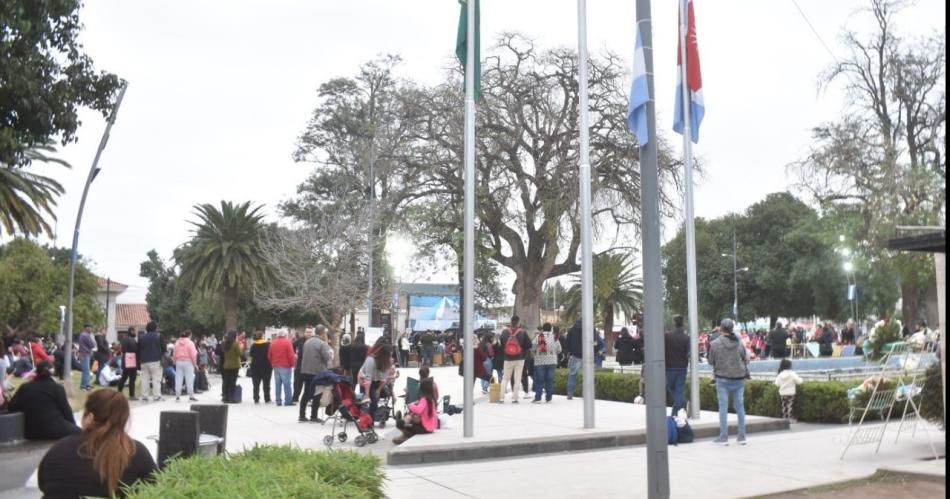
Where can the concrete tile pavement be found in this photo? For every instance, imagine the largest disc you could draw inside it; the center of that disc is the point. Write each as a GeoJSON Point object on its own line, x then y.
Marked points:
{"type": "Point", "coordinates": [772, 462]}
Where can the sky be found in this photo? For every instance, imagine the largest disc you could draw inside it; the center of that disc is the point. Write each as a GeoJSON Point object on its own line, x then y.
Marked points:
{"type": "Point", "coordinates": [220, 90]}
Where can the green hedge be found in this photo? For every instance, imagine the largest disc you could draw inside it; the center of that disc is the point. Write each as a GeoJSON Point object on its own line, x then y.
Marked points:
{"type": "Point", "coordinates": [269, 471]}
{"type": "Point", "coordinates": [815, 401]}
{"type": "Point", "coordinates": [931, 405]}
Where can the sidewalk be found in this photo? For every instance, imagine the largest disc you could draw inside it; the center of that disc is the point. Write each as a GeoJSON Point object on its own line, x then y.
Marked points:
{"type": "Point", "coordinates": [772, 462]}
{"type": "Point", "coordinates": [507, 430]}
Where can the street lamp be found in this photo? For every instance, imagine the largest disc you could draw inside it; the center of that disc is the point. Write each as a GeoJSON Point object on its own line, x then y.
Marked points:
{"type": "Point", "coordinates": [62, 321]}
{"type": "Point", "coordinates": [735, 279]}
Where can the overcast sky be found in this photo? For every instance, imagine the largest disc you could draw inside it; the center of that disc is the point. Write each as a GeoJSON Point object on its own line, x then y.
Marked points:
{"type": "Point", "coordinates": [219, 91]}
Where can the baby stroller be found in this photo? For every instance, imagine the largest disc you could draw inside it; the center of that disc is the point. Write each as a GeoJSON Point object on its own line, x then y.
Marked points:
{"type": "Point", "coordinates": [386, 408]}
{"type": "Point", "coordinates": [346, 410]}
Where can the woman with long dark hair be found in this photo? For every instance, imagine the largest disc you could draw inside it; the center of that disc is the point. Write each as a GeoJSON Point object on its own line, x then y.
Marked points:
{"type": "Point", "coordinates": [100, 460]}
{"type": "Point", "coordinates": [422, 417]}
{"type": "Point", "coordinates": [375, 374]}
{"type": "Point", "coordinates": [232, 363]}
{"type": "Point", "coordinates": [44, 406]}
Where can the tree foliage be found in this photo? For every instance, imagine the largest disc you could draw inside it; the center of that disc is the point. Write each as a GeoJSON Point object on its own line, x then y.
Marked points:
{"type": "Point", "coordinates": [617, 288]}
{"type": "Point", "coordinates": [526, 162]}
{"type": "Point", "coordinates": [793, 269]}
{"type": "Point", "coordinates": [46, 77]}
{"type": "Point", "coordinates": [34, 286]}
{"type": "Point", "coordinates": [225, 255]}
{"type": "Point", "coordinates": [887, 155]}
{"type": "Point", "coordinates": [27, 198]}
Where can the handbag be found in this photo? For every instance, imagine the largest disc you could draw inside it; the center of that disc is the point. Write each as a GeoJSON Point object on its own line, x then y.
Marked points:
{"type": "Point", "coordinates": [128, 361]}
{"type": "Point", "coordinates": [494, 390]}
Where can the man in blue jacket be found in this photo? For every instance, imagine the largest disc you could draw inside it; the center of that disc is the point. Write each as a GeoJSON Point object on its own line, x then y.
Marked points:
{"type": "Point", "coordinates": [150, 350]}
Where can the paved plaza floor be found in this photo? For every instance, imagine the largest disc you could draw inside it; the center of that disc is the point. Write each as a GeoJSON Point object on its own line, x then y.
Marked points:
{"type": "Point", "coordinates": [805, 456]}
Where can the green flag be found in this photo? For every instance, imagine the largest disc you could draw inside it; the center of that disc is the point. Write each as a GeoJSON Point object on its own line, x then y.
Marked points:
{"type": "Point", "coordinates": [461, 49]}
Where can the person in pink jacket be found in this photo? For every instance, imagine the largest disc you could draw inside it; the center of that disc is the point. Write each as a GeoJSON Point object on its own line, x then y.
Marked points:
{"type": "Point", "coordinates": [185, 357]}
{"type": "Point", "coordinates": [422, 416]}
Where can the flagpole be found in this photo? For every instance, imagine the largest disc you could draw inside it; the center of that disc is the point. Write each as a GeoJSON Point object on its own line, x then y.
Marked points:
{"type": "Point", "coordinates": [658, 466]}
{"type": "Point", "coordinates": [587, 267]}
{"type": "Point", "coordinates": [692, 300]}
{"type": "Point", "coordinates": [469, 249]}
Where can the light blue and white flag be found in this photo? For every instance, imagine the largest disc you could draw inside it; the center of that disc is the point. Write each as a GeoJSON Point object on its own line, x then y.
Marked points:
{"type": "Point", "coordinates": [639, 95]}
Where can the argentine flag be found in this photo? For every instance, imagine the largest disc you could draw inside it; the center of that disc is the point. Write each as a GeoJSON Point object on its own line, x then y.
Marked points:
{"type": "Point", "coordinates": [639, 95]}
{"type": "Point", "coordinates": [693, 77]}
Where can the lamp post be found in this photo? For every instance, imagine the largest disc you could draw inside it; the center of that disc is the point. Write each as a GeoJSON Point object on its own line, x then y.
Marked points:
{"type": "Point", "coordinates": [735, 279]}
{"type": "Point", "coordinates": [848, 267]}
{"type": "Point", "coordinates": [62, 321]}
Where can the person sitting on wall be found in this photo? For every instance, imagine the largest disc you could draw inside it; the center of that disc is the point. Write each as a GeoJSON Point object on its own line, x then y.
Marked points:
{"type": "Point", "coordinates": [44, 406]}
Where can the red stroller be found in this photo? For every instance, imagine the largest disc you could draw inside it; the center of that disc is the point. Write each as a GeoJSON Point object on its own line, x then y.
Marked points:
{"type": "Point", "coordinates": [346, 410]}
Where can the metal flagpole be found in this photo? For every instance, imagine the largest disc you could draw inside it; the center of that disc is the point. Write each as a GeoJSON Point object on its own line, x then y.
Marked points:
{"type": "Point", "coordinates": [93, 171]}
{"type": "Point", "coordinates": [587, 267]}
{"type": "Point", "coordinates": [658, 468]}
{"type": "Point", "coordinates": [469, 250]}
{"type": "Point", "coordinates": [371, 191]}
{"type": "Point", "coordinates": [693, 305]}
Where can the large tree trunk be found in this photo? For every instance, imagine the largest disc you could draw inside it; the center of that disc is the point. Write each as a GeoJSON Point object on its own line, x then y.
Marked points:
{"type": "Point", "coordinates": [527, 291]}
{"type": "Point", "coordinates": [230, 309]}
{"type": "Point", "coordinates": [909, 299]}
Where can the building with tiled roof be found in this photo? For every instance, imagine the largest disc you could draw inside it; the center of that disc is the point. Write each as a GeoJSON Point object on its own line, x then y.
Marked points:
{"type": "Point", "coordinates": [131, 315]}
{"type": "Point", "coordinates": [107, 295]}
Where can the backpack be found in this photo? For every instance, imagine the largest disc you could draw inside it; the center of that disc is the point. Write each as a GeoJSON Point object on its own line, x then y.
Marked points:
{"type": "Point", "coordinates": [513, 346]}
{"type": "Point", "coordinates": [672, 432]}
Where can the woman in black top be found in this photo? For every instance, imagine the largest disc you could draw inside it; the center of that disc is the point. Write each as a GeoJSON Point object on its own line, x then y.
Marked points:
{"type": "Point", "coordinates": [44, 407]}
{"type": "Point", "coordinates": [100, 460]}
{"type": "Point", "coordinates": [260, 367]}
{"type": "Point", "coordinates": [624, 347]}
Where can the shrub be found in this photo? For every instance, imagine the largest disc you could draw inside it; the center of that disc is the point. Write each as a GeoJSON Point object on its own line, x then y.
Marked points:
{"type": "Point", "coordinates": [815, 401]}
{"type": "Point", "coordinates": [269, 471]}
{"type": "Point", "coordinates": [931, 397]}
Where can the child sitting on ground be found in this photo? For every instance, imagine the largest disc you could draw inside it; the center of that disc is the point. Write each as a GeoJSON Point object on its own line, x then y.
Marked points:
{"type": "Point", "coordinates": [422, 417]}
{"type": "Point", "coordinates": [423, 375]}
{"type": "Point", "coordinates": [786, 381]}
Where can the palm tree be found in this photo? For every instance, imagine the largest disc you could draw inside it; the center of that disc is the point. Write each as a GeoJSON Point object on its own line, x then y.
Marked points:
{"type": "Point", "coordinates": [617, 287]}
{"type": "Point", "coordinates": [27, 198]}
{"type": "Point", "coordinates": [225, 254]}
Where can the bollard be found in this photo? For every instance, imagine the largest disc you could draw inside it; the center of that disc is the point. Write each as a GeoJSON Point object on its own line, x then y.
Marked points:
{"type": "Point", "coordinates": [213, 420]}
{"type": "Point", "coordinates": [178, 434]}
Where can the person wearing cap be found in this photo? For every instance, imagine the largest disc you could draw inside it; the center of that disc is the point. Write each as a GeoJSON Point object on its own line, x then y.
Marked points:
{"type": "Point", "coordinates": [729, 361]}
{"type": "Point", "coordinates": [282, 359]}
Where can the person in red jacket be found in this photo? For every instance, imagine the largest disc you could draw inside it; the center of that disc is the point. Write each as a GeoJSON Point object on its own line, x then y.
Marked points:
{"type": "Point", "coordinates": [282, 359]}
{"type": "Point", "coordinates": [39, 353]}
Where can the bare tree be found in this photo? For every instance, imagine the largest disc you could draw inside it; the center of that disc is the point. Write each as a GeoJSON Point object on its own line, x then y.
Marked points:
{"type": "Point", "coordinates": [886, 156]}
{"type": "Point", "coordinates": [527, 160]}
{"type": "Point", "coordinates": [318, 265]}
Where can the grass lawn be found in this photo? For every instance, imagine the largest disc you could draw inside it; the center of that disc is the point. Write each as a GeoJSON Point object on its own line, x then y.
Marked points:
{"type": "Point", "coordinates": [78, 399]}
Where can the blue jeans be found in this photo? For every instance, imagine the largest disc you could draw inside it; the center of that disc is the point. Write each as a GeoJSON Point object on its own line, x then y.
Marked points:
{"type": "Point", "coordinates": [282, 377]}
{"type": "Point", "coordinates": [85, 360]}
{"type": "Point", "coordinates": [427, 356]}
{"type": "Point", "coordinates": [573, 365]}
{"type": "Point", "coordinates": [675, 384]}
{"type": "Point", "coordinates": [485, 382]}
{"type": "Point", "coordinates": [543, 381]}
{"type": "Point", "coordinates": [736, 389]}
